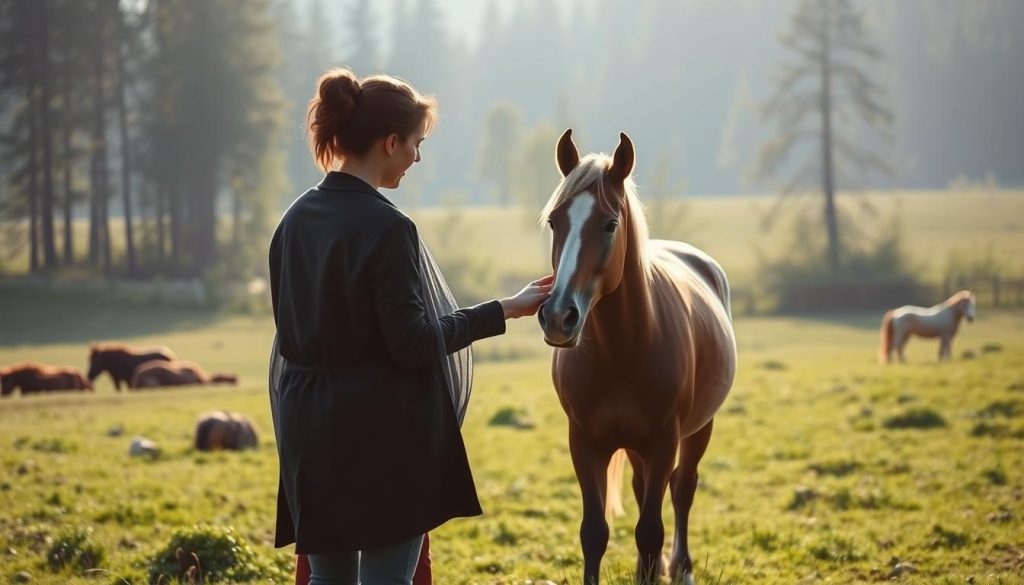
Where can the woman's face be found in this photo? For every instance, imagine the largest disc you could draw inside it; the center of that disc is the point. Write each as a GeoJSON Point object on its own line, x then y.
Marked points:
{"type": "Point", "coordinates": [403, 154]}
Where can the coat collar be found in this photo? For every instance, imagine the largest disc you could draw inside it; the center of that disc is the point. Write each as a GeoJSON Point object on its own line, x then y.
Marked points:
{"type": "Point", "coordinates": [339, 181]}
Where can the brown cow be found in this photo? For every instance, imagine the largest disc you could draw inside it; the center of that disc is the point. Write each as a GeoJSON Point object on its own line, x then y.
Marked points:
{"type": "Point", "coordinates": [33, 377]}
{"type": "Point", "coordinates": [220, 429]}
{"type": "Point", "coordinates": [158, 373]}
{"type": "Point", "coordinates": [121, 361]}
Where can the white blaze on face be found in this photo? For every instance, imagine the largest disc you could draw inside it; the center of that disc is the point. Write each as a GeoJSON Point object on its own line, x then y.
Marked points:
{"type": "Point", "coordinates": [579, 212]}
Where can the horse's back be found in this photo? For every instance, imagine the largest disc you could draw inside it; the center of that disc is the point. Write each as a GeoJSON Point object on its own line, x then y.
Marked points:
{"type": "Point", "coordinates": [698, 261]}
{"type": "Point", "coordinates": [702, 281]}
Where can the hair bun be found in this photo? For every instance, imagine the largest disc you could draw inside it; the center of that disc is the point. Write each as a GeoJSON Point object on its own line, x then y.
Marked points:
{"type": "Point", "coordinates": [339, 92]}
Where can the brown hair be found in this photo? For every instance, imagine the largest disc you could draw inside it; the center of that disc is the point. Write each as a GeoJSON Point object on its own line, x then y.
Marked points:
{"type": "Point", "coordinates": [347, 114]}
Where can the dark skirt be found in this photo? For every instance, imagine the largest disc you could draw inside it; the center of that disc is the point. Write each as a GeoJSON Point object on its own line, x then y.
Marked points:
{"type": "Point", "coordinates": [369, 458]}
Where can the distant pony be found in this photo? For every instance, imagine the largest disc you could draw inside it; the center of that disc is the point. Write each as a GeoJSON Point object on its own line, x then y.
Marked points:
{"type": "Point", "coordinates": [121, 361]}
{"type": "Point", "coordinates": [33, 378]}
{"type": "Point", "coordinates": [221, 429]}
{"type": "Point", "coordinates": [940, 321]}
{"type": "Point", "coordinates": [157, 373]}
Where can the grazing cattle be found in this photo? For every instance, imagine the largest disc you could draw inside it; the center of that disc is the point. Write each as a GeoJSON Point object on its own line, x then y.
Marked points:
{"type": "Point", "coordinates": [221, 429]}
{"type": "Point", "coordinates": [157, 373]}
{"type": "Point", "coordinates": [34, 377]}
{"type": "Point", "coordinates": [121, 361]}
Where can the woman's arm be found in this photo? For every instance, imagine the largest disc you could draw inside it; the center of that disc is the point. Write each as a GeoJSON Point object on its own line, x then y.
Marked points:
{"type": "Point", "coordinates": [400, 309]}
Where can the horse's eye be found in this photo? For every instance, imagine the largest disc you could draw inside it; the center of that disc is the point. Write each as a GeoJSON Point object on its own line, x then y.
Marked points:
{"type": "Point", "coordinates": [611, 226]}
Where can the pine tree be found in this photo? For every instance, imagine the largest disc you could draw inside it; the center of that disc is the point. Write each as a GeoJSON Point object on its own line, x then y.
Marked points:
{"type": "Point", "coordinates": [824, 86]}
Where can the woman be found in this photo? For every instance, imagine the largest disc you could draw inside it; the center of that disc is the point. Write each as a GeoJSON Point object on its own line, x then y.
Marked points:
{"type": "Point", "coordinates": [370, 373]}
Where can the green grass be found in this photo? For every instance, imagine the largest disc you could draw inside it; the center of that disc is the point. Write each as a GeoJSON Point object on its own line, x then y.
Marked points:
{"type": "Point", "coordinates": [804, 480]}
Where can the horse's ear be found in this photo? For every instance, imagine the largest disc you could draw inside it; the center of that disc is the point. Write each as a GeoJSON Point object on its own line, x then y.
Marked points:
{"type": "Point", "coordinates": [622, 160]}
{"type": "Point", "coordinates": [566, 154]}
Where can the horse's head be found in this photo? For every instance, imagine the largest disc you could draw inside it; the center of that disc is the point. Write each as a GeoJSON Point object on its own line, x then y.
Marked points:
{"type": "Point", "coordinates": [966, 304]}
{"type": "Point", "coordinates": [588, 214]}
{"type": "Point", "coordinates": [97, 362]}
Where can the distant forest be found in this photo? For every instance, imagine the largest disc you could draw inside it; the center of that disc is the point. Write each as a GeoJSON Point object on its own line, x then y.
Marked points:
{"type": "Point", "coordinates": [185, 117]}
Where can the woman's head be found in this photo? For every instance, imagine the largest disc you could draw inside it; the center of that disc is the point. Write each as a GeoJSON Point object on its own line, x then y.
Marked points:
{"type": "Point", "coordinates": [357, 118]}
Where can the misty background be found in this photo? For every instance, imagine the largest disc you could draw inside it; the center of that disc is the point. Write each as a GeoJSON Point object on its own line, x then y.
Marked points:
{"type": "Point", "coordinates": [148, 139]}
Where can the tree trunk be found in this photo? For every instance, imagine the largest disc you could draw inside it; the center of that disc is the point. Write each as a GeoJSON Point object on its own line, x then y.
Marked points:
{"type": "Point", "coordinates": [122, 117]}
{"type": "Point", "coordinates": [176, 212]}
{"type": "Point", "coordinates": [43, 56]}
{"type": "Point", "coordinates": [33, 160]}
{"type": "Point", "coordinates": [161, 238]}
{"type": "Point", "coordinates": [203, 212]}
{"type": "Point", "coordinates": [828, 179]}
{"type": "Point", "coordinates": [68, 156]}
{"type": "Point", "coordinates": [99, 228]}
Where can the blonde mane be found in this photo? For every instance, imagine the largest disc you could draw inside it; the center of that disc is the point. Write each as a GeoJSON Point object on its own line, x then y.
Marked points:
{"type": "Point", "coordinates": [957, 297]}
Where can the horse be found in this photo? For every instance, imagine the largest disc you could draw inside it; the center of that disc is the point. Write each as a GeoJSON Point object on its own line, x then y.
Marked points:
{"type": "Point", "coordinates": [220, 429]}
{"type": "Point", "coordinates": [644, 354]}
{"type": "Point", "coordinates": [156, 373]}
{"type": "Point", "coordinates": [121, 361]}
{"type": "Point", "coordinates": [942, 321]}
{"type": "Point", "coordinates": [34, 377]}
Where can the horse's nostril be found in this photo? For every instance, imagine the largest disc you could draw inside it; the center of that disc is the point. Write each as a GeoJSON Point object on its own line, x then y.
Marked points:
{"type": "Point", "coordinates": [540, 316]}
{"type": "Point", "coordinates": [572, 317]}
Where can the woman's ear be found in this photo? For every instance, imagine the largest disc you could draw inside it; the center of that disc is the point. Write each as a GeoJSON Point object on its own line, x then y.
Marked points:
{"type": "Point", "coordinates": [391, 144]}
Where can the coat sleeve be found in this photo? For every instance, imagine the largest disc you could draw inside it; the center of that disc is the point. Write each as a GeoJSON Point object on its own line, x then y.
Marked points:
{"type": "Point", "coordinates": [399, 305]}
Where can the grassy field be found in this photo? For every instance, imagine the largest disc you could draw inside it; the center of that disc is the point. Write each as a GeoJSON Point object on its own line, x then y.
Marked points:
{"type": "Point", "coordinates": [824, 465]}
{"type": "Point", "coordinates": [726, 227]}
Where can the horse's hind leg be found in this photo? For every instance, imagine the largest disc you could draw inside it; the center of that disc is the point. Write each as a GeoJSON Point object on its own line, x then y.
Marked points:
{"type": "Point", "coordinates": [684, 485]}
{"type": "Point", "coordinates": [591, 465]}
{"type": "Point", "coordinates": [900, 342]}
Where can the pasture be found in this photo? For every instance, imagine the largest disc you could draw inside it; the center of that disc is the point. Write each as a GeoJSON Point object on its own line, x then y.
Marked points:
{"type": "Point", "coordinates": [936, 226]}
{"type": "Point", "coordinates": [824, 465]}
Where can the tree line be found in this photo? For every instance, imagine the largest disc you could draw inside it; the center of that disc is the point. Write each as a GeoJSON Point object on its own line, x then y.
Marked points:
{"type": "Point", "coordinates": [167, 110]}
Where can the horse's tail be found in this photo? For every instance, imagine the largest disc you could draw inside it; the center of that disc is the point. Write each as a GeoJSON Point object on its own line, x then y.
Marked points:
{"type": "Point", "coordinates": [613, 499]}
{"type": "Point", "coordinates": [886, 346]}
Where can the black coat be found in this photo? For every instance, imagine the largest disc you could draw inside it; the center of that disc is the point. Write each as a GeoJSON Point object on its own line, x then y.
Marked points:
{"type": "Point", "coordinates": [369, 447]}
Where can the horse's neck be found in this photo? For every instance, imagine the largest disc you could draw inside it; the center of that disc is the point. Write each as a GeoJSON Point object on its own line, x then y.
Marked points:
{"type": "Point", "coordinates": [620, 324]}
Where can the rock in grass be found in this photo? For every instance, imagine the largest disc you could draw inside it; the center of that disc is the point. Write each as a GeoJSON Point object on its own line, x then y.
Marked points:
{"type": "Point", "coordinates": [143, 447]}
{"type": "Point", "coordinates": [23, 577]}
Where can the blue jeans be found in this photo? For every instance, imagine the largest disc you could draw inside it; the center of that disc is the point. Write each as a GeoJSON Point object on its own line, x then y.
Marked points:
{"type": "Point", "coordinates": [393, 565]}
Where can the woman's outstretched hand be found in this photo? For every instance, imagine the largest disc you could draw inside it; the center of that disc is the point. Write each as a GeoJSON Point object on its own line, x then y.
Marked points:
{"type": "Point", "coordinates": [528, 300]}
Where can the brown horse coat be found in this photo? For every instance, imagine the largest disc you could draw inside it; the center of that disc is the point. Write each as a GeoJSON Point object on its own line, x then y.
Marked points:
{"type": "Point", "coordinates": [121, 361]}
{"type": "Point", "coordinates": [220, 429]}
{"type": "Point", "coordinates": [645, 354]}
{"type": "Point", "coordinates": [34, 377]}
{"type": "Point", "coordinates": [158, 373]}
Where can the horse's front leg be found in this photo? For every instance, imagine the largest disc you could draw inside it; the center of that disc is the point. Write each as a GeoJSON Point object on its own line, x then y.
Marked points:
{"type": "Point", "coordinates": [659, 455]}
{"type": "Point", "coordinates": [591, 464]}
{"type": "Point", "coordinates": [945, 344]}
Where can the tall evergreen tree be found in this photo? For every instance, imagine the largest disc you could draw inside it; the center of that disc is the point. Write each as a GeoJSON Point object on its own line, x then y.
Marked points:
{"type": "Point", "coordinates": [826, 84]}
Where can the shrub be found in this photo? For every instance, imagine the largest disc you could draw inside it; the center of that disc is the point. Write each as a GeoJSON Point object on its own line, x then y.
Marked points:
{"type": "Point", "coordinates": [223, 556]}
{"type": "Point", "coordinates": [74, 548]}
{"type": "Point", "coordinates": [915, 418]}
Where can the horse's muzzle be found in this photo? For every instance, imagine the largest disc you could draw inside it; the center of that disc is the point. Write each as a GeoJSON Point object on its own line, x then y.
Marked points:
{"type": "Point", "coordinates": [560, 324]}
